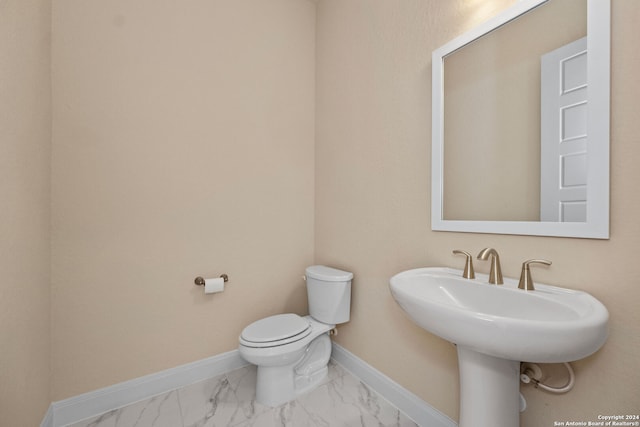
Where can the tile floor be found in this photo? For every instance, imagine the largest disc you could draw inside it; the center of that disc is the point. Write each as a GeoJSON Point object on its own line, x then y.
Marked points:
{"type": "Point", "coordinates": [228, 400]}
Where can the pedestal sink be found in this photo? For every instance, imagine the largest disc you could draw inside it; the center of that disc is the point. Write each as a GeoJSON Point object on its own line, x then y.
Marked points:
{"type": "Point", "coordinates": [495, 328]}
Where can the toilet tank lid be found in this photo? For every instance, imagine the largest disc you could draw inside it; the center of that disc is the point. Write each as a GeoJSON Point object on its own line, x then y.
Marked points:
{"type": "Point", "coordinates": [328, 274]}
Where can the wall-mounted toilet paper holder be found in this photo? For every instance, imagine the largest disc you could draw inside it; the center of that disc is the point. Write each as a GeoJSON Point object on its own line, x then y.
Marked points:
{"type": "Point", "coordinates": [200, 280]}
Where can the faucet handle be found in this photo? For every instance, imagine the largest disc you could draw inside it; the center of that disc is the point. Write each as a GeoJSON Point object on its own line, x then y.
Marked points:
{"type": "Point", "coordinates": [526, 282]}
{"type": "Point", "coordinates": [468, 266]}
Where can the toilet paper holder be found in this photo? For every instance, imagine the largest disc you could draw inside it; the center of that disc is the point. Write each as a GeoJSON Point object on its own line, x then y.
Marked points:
{"type": "Point", "coordinates": [200, 280]}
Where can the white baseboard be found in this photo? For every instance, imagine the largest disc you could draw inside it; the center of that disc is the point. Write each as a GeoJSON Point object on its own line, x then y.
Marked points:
{"type": "Point", "coordinates": [96, 402]}
{"type": "Point", "coordinates": [47, 421]}
{"type": "Point", "coordinates": [99, 401]}
{"type": "Point", "coordinates": [411, 405]}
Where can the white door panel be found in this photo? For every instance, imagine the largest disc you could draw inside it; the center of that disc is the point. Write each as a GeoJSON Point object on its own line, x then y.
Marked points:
{"type": "Point", "coordinates": [563, 145]}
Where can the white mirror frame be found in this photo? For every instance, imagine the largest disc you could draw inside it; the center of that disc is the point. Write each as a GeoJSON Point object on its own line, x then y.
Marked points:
{"type": "Point", "coordinates": [598, 78]}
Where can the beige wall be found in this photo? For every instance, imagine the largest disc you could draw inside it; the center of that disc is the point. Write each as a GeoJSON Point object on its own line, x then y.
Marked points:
{"type": "Point", "coordinates": [182, 146]}
{"type": "Point", "coordinates": [25, 146]}
{"type": "Point", "coordinates": [373, 137]}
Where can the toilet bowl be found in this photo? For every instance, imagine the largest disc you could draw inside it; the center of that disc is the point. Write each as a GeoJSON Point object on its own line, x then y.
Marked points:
{"type": "Point", "coordinates": [291, 352]}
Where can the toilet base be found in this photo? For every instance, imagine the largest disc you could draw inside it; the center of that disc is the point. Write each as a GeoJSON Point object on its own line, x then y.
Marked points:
{"type": "Point", "coordinates": [276, 385]}
{"type": "Point", "coordinates": [308, 383]}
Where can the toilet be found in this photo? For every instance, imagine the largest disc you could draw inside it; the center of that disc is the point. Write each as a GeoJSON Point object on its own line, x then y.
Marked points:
{"type": "Point", "coordinates": [291, 352]}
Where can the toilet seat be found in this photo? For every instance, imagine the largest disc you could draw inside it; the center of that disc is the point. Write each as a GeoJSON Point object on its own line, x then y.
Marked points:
{"type": "Point", "coordinates": [275, 331]}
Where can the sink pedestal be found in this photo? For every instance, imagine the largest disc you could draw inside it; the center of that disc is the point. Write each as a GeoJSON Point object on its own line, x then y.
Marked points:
{"type": "Point", "coordinates": [489, 390]}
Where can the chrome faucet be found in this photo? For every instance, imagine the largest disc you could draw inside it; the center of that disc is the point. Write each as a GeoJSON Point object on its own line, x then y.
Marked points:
{"type": "Point", "coordinates": [495, 275]}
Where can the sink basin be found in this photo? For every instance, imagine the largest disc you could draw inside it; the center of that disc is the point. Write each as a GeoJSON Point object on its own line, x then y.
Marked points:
{"type": "Point", "coordinates": [548, 325]}
{"type": "Point", "coordinates": [496, 327]}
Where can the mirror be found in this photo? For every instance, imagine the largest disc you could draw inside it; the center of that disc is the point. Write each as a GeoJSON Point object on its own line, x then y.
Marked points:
{"type": "Point", "coordinates": [520, 140]}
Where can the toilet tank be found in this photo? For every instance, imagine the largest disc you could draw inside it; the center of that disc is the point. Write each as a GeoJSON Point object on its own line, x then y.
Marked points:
{"type": "Point", "coordinates": [329, 294]}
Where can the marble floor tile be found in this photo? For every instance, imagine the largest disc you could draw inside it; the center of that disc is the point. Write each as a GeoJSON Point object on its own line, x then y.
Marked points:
{"type": "Point", "coordinates": [228, 400]}
{"type": "Point", "coordinates": [159, 411]}
{"type": "Point", "coordinates": [222, 401]}
{"type": "Point", "coordinates": [335, 371]}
